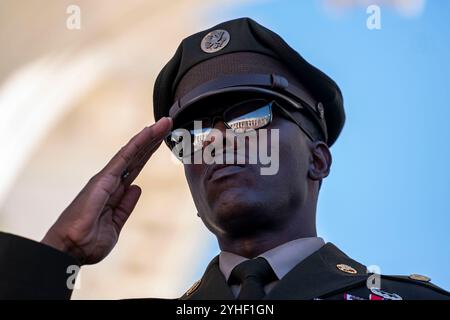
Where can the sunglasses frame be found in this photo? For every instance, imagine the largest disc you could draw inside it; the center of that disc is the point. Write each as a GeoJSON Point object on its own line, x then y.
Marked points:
{"type": "Point", "coordinates": [221, 116]}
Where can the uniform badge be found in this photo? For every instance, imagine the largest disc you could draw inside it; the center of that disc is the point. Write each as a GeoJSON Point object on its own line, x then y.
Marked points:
{"type": "Point", "coordinates": [348, 296]}
{"type": "Point", "coordinates": [215, 41]}
{"type": "Point", "coordinates": [420, 277]}
{"type": "Point", "coordinates": [346, 268]}
{"type": "Point", "coordinates": [378, 294]}
{"type": "Point", "coordinates": [193, 288]}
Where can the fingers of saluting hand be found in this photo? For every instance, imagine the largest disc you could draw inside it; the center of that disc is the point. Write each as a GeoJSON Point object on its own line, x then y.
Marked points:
{"type": "Point", "coordinates": [130, 160]}
{"type": "Point", "coordinates": [132, 157]}
{"type": "Point", "coordinates": [125, 207]}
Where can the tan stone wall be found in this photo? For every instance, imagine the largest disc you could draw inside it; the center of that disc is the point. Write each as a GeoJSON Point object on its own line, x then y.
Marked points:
{"type": "Point", "coordinates": [68, 101]}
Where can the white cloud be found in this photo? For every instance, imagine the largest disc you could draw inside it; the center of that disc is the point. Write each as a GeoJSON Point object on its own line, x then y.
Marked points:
{"type": "Point", "coordinates": [406, 8]}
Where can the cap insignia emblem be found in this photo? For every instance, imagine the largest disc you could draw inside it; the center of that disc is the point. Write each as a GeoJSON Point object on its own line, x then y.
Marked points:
{"type": "Point", "coordinates": [215, 41]}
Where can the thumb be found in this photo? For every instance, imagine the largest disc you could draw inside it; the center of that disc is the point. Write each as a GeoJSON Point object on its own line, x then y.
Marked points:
{"type": "Point", "coordinates": [126, 206]}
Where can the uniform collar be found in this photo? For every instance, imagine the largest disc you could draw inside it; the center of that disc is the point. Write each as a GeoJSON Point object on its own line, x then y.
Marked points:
{"type": "Point", "coordinates": [282, 259]}
{"type": "Point", "coordinates": [316, 276]}
{"type": "Point", "coordinates": [319, 275]}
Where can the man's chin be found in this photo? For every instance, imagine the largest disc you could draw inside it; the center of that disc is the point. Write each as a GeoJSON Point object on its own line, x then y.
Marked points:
{"type": "Point", "coordinates": [234, 199]}
{"type": "Point", "coordinates": [236, 207]}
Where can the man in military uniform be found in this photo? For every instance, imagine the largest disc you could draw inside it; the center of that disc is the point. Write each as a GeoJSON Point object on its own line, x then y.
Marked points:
{"type": "Point", "coordinates": [225, 77]}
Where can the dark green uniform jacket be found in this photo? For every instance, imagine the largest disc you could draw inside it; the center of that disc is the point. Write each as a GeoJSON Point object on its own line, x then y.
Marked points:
{"type": "Point", "coordinates": [30, 270]}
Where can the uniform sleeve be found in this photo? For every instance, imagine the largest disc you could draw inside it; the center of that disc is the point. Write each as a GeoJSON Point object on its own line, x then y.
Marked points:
{"type": "Point", "coordinates": [31, 270]}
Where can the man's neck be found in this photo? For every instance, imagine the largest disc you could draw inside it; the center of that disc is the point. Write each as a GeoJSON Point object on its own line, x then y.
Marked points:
{"type": "Point", "coordinates": [302, 224]}
{"type": "Point", "coordinates": [252, 246]}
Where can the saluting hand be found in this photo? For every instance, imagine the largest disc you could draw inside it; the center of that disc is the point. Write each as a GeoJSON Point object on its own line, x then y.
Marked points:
{"type": "Point", "coordinates": [90, 226]}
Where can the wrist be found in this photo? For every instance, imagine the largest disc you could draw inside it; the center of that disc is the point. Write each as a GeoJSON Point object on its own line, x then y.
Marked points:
{"type": "Point", "coordinates": [53, 240]}
{"type": "Point", "coordinates": [60, 243]}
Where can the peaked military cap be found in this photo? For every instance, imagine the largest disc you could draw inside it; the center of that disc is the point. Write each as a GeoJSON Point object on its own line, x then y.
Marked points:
{"type": "Point", "coordinates": [243, 54]}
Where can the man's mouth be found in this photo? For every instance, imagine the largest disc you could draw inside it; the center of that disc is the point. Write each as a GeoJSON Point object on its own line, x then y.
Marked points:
{"type": "Point", "coordinates": [218, 171]}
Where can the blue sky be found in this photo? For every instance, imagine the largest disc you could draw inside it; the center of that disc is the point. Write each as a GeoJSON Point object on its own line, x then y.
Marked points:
{"type": "Point", "coordinates": [387, 200]}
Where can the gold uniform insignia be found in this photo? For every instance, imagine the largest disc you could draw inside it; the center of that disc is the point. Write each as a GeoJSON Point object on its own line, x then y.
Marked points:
{"type": "Point", "coordinates": [346, 268]}
{"type": "Point", "coordinates": [419, 277]}
{"type": "Point", "coordinates": [193, 288]}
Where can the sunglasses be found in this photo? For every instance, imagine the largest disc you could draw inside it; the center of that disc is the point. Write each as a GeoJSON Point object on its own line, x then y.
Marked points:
{"type": "Point", "coordinates": [242, 117]}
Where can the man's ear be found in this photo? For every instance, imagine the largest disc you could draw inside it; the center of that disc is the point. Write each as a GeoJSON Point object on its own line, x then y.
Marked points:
{"type": "Point", "coordinates": [320, 163]}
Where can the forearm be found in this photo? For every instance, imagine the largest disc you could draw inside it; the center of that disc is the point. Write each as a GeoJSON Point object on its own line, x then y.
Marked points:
{"type": "Point", "coordinates": [31, 270]}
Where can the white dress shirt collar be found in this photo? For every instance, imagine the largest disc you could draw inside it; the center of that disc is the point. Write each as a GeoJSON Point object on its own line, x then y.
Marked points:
{"type": "Point", "coordinates": [282, 259]}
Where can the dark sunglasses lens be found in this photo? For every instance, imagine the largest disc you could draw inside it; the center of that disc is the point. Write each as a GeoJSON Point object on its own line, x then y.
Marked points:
{"type": "Point", "coordinates": [189, 138]}
{"type": "Point", "coordinates": [249, 115]}
{"type": "Point", "coordinates": [199, 137]}
{"type": "Point", "coordinates": [242, 117]}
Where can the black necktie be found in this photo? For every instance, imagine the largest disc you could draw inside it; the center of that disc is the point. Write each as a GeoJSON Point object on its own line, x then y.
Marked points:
{"type": "Point", "coordinates": [253, 275]}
